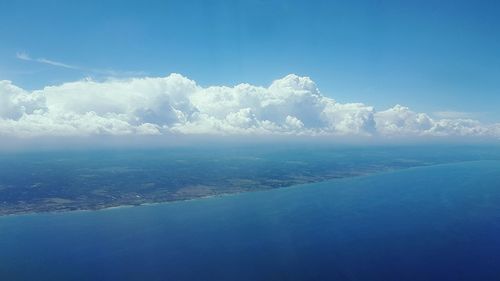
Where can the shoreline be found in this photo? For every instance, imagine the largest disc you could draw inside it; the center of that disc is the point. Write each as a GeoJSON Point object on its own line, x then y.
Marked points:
{"type": "Point", "coordinates": [222, 194]}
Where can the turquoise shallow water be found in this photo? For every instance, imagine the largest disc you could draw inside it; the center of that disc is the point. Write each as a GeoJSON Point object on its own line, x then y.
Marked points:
{"type": "Point", "coordinates": [429, 223]}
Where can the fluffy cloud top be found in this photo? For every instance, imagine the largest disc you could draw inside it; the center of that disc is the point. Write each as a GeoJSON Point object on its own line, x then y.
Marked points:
{"type": "Point", "coordinates": [292, 105]}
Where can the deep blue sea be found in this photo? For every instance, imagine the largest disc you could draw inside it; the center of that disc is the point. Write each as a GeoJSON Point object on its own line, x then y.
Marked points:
{"type": "Point", "coordinates": [428, 223]}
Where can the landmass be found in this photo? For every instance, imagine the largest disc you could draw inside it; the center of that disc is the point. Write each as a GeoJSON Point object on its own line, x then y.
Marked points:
{"type": "Point", "coordinates": [65, 181]}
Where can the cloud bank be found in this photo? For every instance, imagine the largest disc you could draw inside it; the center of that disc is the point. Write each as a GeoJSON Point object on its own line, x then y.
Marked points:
{"type": "Point", "coordinates": [175, 104]}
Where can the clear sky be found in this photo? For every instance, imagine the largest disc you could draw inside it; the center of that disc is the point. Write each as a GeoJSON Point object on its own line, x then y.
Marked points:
{"type": "Point", "coordinates": [429, 55]}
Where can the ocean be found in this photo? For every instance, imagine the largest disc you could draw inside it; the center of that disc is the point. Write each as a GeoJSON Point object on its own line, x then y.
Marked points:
{"type": "Point", "coordinates": [439, 222]}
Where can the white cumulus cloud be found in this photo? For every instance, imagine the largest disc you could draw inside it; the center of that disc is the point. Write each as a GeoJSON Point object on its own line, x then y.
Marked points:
{"type": "Point", "coordinates": [175, 104]}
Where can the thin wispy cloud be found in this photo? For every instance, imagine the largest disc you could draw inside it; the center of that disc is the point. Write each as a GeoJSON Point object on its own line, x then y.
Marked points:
{"type": "Point", "coordinates": [96, 71]}
{"type": "Point", "coordinates": [23, 56]}
{"type": "Point", "coordinates": [26, 57]}
{"type": "Point", "coordinates": [56, 63]}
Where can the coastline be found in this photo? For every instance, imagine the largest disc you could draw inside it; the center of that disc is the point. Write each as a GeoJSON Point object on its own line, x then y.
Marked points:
{"type": "Point", "coordinates": [223, 194]}
{"type": "Point", "coordinates": [194, 198]}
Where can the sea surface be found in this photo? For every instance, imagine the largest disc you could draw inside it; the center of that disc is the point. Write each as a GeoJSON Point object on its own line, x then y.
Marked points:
{"type": "Point", "coordinates": [438, 222]}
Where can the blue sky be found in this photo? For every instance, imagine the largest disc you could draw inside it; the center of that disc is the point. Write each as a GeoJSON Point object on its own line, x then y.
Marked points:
{"type": "Point", "coordinates": [429, 55]}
